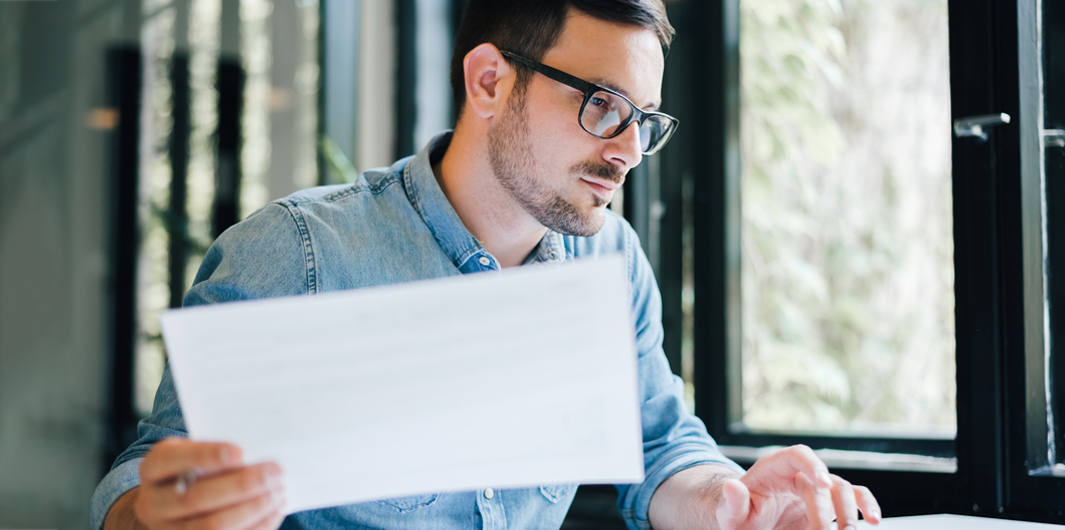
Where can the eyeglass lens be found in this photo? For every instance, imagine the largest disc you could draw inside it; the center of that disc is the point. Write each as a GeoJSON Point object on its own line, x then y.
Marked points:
{"type": "Point", "coordinates": [604, 112]}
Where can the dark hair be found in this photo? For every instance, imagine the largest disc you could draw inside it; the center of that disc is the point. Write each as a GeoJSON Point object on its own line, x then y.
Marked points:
{"type": "Point", "coordinates": [531, 27]}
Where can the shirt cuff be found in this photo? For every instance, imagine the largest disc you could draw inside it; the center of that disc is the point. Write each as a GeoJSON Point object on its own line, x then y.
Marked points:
{"type": "Point", "coordinates": [121, 479]}
{"type": "Point", "coordinates": [640, 518]}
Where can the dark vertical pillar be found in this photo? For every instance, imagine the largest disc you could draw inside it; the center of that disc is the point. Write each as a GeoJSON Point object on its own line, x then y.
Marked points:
{"type": "Point", "coordinates": [124, 95]}
{"type": "Point", "coordinates": [323, 91]}
{"type": "Point", "coordinates": [977, 247]}
{"type": "Point", "coordinates": [458, 7]}
{"type": "Point", "coordinates": [406, 76]}
{"type": "Point", "coordinates": [637, 205]}
{"type": "Point", "coordinates": [226, 209]}
{"type": "Point", "coordinates": [177, 215]}
{"type": "Point", "coordinates": [673, 173]}
{"type": "Point", "coordinates": [713, 159]}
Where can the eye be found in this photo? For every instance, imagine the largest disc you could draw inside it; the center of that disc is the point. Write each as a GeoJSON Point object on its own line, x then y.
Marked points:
{"type": "Point", "coordinates": [599, 102]}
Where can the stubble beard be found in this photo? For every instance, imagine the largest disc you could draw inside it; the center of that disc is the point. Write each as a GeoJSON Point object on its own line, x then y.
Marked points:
{"type": "Point", "coordinates": [512, 160]}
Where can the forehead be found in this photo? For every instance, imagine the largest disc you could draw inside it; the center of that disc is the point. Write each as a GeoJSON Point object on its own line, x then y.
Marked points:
{"type": "Point", "coordinates": [626, 58]}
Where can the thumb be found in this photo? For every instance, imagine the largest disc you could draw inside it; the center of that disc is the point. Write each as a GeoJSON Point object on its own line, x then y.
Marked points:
{"type": "Point", "coordinates": [735, 504]}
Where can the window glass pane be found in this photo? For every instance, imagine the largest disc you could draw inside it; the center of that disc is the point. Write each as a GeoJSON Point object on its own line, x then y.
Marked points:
{"type": "Point", "coordinates": [847, 278]}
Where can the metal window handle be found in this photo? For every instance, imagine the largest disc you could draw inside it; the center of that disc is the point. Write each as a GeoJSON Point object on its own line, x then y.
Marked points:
{"type": "Point", "coordinates": [1054, 137]}
{"type": "Point", "coordinates": [974, 125]}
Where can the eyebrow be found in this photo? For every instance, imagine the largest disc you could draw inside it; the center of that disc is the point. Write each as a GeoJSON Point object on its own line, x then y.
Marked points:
{"type": "Point", "coordinates": [607, 84]}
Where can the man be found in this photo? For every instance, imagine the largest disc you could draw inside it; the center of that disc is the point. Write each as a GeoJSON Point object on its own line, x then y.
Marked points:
{"type": "Point", "coordinates": [556, 102]}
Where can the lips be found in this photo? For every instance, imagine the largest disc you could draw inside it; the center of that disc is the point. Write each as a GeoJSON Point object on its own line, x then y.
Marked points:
{"type": "Point", "coordinates": [602, 185]}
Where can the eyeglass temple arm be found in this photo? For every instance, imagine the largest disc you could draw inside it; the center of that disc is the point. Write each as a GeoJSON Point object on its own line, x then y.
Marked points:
{"type": "Point", "coordinates": [557, 75]}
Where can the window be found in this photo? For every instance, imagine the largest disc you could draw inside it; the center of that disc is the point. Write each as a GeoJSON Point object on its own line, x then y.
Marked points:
{"type": "Point", "coordinates": [836, 224]}
{"type": "Point", "coordinates": [846, 244]}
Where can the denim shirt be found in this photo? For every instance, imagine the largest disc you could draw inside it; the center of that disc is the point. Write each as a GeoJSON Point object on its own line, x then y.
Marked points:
{"type": "Point", "coordinates": [395, 225]}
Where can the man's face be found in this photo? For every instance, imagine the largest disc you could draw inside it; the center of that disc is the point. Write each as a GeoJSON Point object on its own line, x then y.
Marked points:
{"type": "Point", "coordinates": [560, 174]}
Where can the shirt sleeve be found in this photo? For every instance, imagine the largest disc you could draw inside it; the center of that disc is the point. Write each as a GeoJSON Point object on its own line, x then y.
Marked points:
{"type": "Point", "coordinates": [266, 255]}
{"type": "Point", "coordinates": [673, 438]}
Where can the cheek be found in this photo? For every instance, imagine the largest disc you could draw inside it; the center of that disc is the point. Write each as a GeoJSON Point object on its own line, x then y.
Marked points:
{"type": "Point", "coordinates": [560, 143]}
{"type": "Point", "coordinates": [554, 120]}
{"type": "Point", "coordinates": [556, 140]}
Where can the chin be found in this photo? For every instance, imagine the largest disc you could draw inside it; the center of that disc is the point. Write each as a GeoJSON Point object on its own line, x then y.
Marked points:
{"type": "Point", "coordinates": [570, 218]}
{"type": "Point", "coordinates": [590, 224]}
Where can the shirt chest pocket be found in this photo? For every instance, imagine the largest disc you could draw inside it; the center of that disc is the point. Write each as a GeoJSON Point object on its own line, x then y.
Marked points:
{"type": "Point", "coordinates": [409, 504]}
{"type": "Point", "coordinates": [557, 492]}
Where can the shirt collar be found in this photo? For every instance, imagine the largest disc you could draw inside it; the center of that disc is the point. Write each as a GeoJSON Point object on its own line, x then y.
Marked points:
{"type": "Point", "coordinates": [465, 251]}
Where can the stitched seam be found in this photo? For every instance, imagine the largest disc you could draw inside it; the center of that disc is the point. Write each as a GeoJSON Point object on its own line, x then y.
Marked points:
{"type": "Point", "coordinates": [415, 201]}
{"type": "Point", "coordinates": [308, 249]}
{"type": "Point", "coordinates": [414, 505]}
{"type": "Point", "coordinates": [468, 255]}
{"type": "Point", "coordinates": [354, 189]}
{"type": "Point", "coordinates": [630, 259]}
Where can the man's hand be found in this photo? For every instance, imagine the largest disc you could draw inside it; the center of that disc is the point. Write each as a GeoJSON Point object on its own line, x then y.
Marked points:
{"type": "Point", "coordinates": [792, 489]}
{"type": "Point", "coordinates": [225, 493]}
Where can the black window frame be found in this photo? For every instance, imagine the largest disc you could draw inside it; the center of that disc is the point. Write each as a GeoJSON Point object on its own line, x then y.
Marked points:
{"type": "Point", "coordinates": [996, 414]}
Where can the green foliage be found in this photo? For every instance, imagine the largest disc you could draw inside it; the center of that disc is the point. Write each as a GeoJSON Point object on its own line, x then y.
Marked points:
{"type": "Point", "coordinates": [847, 251]}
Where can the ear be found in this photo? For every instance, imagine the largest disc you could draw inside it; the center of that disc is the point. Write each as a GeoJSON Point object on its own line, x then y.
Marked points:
{"type": "Point", "coordinates": [487, 74]}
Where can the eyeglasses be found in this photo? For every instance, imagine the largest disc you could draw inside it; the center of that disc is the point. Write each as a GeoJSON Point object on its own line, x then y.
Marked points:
{"type": "Point", "coordinates": [605, 113]}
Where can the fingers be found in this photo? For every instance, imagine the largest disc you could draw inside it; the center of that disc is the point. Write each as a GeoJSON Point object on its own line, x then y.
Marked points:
{"type": "Point", "coordinates": [256, 512]}
{"type": "Point", "coordinates": [215, 492]}
{"type": "Point", "coordinates": [226, 494]}
{"type": "Point", "coordinates": [172, 456]}
{"type": "Point", "coordinates": [867, 504]}
{"type": "Point", "coordinates": [262, 510]}
{"type": "Point", "coordinates": [735, 504]}
{"type": "Point", "coordinates": [778, 468]}
{"type": "Point", "coordinates": [803, 460]}
{"type": "Point", "coordinates": [797, 471]}
{"type": "Point", "coordinates": [843, 500]}
{"type": "Point", "coordinates": [818, 501]}
{"type": "Point", "coordinates": [271, 522]}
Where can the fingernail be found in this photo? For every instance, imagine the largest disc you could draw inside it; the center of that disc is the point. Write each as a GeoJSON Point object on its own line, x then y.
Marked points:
{"type": "Point", "coordinates": [273, 470]}
{"type": "Point", "coordinates": [849, 527]}
{"type": "Point", "coordinates": [824, 478]}
{"type": "Point", "coordinates": [875, 514]}
{"type": "Point", "coordinates": [230, 455]}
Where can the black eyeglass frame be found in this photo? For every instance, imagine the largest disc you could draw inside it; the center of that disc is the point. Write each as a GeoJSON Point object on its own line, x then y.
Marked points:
{"type": "Point", "coordinates": [638, 115]}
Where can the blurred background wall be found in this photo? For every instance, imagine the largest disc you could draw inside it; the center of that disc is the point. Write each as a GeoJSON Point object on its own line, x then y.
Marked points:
{"type": "Point", "coordinates": [131, 133]}
{"type": "Point", "coordinates": [55, 208]}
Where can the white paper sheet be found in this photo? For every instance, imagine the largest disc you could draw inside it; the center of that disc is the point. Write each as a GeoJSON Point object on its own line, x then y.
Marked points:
{"type": "Point", "coordinates": [952, 522]}
{"type": "Point", "coordinates": [520, 378]}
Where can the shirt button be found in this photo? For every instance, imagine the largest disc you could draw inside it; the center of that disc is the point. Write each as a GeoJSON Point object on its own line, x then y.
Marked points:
{"type": "Point", "coordinates": [488, 493]}
{"type": "Point", "coordinates": [486, 262]}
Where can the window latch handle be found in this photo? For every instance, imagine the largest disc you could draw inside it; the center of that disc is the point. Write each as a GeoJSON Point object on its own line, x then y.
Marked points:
{"type": "Point", "coordinates": [974, 125]}
{"type": "Point", "coordinates": [1054, 137]}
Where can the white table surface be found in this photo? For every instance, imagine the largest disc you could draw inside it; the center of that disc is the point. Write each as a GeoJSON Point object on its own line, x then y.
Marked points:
{"type": "Point", "coordinates": [954, 522]}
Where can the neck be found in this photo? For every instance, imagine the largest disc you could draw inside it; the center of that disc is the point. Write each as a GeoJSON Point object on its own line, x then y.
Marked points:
{"type": "Point", "coordinates": [487, 209]}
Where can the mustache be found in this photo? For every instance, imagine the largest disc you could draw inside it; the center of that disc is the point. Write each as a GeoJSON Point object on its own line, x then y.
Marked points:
{"type": "Point", "coordinates": [603, 171]}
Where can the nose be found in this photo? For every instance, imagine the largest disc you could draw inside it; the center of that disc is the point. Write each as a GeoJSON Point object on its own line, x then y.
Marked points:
{"type": "Point", "coordinates": [624, 149]}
